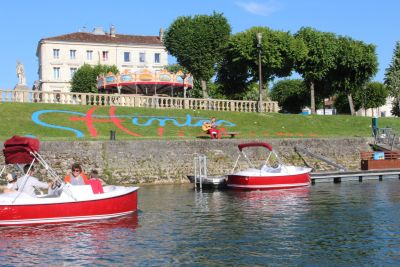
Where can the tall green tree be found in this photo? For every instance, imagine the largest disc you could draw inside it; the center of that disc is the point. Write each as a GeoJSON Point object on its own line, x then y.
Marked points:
{"type": "Point", "coordinates": [84, 79]}
{"type": "Point", "coordinates": [291, 95]}
{"type": "Point", "coordinates": [279, 53]}
{"type": "Point", "coordinates": [233, 75]}
{"type": "Point", "coordinates": [320, 59]}
{"type": "Point", "coordinates": [197, 43]}
{"type": "Point", "coordinates": [356, 64]}
{"type": "Point", "coordinates": [392, 79]}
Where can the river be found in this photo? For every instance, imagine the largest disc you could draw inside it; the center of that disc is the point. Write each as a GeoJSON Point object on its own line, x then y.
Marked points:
{"type": "Point", "coordinates": [347, 224]}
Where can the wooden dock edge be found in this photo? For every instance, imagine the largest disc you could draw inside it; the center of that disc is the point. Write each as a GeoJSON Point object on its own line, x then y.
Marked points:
{"type": "Point", "coordinates": [339, 176]}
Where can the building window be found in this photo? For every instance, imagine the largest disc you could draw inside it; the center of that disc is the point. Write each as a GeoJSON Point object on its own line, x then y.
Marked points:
{"type": "Point", "coordinates": [157, 58]}
{"type": "Point", "coordinates": [105, 55]}
{"type": "Point", "coordinates": [127, 57]}
{"type": "Point", "coordinates": [56, 53]}
{"type": "Point", "coordinates": [89, 54]}
{"type": "Point", "coordinates": [72, 71]}
{"type": "Point", "coordinates": [56, 73]}
{"type": "Point", "coordinates": [72, 54]}
{"type": "Point", "coordinates": [142, 57]}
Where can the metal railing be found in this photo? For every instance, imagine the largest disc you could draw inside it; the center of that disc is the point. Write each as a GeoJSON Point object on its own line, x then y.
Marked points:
{"type": "Point", "coordinates": [200, 170]}
{"type": "Point", "coordinates": [125, 100]}
{"type": "Point", "coordinates": [386, 136]}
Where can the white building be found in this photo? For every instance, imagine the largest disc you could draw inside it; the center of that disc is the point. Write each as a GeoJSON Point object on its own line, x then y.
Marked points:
{"type": "Point", "coordinates": [383, 111]}
{"type": "Point", "coordinates": [60, 56]}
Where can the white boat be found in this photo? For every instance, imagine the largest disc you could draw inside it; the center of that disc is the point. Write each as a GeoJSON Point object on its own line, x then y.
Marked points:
{"type": "Point", "coordinates": [267, 176]}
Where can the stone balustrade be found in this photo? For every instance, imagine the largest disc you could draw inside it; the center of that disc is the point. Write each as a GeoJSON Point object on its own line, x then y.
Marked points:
{"type": "Point", "coordinates": [130, 100]}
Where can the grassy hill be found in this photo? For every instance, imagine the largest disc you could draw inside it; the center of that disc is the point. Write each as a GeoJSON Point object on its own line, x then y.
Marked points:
{"type": "Point", "coordinates": [73, 122]}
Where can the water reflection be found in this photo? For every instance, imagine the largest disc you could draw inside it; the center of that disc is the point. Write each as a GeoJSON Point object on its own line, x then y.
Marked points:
{"type": "Point", "coordinates": [76, 243]}
{"type": "Point", "coordinates": [348, 224]}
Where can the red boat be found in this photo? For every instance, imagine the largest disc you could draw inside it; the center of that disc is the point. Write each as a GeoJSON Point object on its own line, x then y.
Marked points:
{"type": "Point", "coordinates": [272, 174]}
{"type": "Point", "coordinates": [63, 203]}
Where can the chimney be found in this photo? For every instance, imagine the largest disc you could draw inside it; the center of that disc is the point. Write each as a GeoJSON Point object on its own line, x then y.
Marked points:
{"type": "Point", "coordinates": [98, 31]}
{"type": "Point", "coordinates": [161, 34]}
{"type": "Point", "coordinates": [112, 31]}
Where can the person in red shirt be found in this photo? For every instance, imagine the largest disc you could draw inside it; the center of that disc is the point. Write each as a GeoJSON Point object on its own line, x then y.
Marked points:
{"type": "Point", "coordinates": [95, 182]}
{"type": "Point", "coordinates": [211, 128]}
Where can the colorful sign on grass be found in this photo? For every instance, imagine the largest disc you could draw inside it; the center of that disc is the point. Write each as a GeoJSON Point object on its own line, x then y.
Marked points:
{"type": "Point", "coordinates": [90, 119]}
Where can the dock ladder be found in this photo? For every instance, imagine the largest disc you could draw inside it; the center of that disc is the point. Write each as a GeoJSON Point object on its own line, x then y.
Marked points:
{"type": "Point", "coordinates": [200, 169]}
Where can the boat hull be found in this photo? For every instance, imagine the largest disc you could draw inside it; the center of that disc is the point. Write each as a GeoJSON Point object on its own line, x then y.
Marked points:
{"type": "Point", "coordinates": [68, 211]}
{"type": "Point", "coordinates": [252, 182]}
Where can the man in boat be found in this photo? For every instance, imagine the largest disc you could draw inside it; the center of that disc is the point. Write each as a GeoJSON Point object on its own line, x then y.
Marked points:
{"type": "Point", "coordinates": [11, 180]}
{"type": "Point", "coordinates": [76, 177]}
{"type": "Point", "coordinates": [210, 127]}
{"type": "Point", "coordinates": [27, 183]}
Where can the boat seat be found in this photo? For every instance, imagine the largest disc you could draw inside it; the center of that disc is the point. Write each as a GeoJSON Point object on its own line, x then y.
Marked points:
{"type": "Point", "coordinates": [78, 191]}
{"type": "Point", "coordinates": [270, 169]}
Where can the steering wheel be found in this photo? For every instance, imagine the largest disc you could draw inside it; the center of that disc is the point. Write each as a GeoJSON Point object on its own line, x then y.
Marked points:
{"type": "Point", "coordinates": [55, 185]}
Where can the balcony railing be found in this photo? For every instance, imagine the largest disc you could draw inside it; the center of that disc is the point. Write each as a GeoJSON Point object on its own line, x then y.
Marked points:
{"type": "Point", "coordinates": [161, 102]}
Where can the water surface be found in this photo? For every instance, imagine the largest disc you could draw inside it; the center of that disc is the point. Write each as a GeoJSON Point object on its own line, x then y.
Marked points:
{"type": "Point", "coordinates": [348, 224]}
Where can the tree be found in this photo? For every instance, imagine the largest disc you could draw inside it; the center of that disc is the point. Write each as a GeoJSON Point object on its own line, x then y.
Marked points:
{"type": "Point", "coordinates": [356, 64]}
{"type": "Point", "coordinates": [373, 95]}
{"type": "Point", "coordinates": [291, 95]}
{"type": "Point", "coordinates": [342, 103]}
{"type": "Point", "coordinates": [279, 53]}
{"type": "Point", "coordinates": [392, 79]}
{"type": "Point", "coordinates": [233, 75]}
{"type": "Point", "coordinates": [176, 68]}
{"type": "Point", "coordinates": [84, 79]}
{"type": "Point", "coordinates": [320, 59]}
{"type": "Point", "coordinates": [197, 43]}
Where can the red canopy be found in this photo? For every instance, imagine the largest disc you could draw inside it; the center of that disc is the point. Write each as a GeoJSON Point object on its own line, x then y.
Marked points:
{"type": "Point", "coordinates": [17, 149]}
{"type": "Point", "coordinates": [255, 144]}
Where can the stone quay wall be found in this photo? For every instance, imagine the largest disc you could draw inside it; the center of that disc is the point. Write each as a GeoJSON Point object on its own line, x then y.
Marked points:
{"type": "Point", "coordinates": [136, 162]}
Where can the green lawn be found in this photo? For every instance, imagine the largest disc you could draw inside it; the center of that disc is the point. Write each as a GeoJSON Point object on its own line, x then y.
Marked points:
{"type": "Point", "coordinates": [73, 122]}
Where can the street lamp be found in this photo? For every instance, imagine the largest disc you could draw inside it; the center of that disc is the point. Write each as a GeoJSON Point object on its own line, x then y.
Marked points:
{"type": "Point", "coordinates": [260, 105]}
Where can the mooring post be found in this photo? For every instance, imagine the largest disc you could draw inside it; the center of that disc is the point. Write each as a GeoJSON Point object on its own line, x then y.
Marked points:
{"type": "Point", "coordinates": [337, 180]}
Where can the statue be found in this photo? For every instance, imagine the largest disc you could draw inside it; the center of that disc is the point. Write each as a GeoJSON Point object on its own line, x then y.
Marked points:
{"type": "Point", "coordinates": [20, 74]}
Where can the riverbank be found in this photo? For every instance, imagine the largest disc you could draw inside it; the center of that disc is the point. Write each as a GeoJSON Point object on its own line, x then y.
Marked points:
{"type": "Point", "coordinates": [162, 162]}
{"type": "Point", "coordinates": [57, 122]}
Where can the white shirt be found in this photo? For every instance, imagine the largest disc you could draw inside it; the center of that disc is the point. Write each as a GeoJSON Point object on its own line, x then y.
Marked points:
{"type": "Point", "coordinates": [30, 184]}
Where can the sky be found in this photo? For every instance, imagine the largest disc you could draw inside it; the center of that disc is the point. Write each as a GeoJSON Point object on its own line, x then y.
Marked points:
{"type": "Point", "coordinates": [25, 23]}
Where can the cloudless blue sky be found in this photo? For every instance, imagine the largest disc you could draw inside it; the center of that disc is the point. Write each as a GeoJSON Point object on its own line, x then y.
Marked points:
{"type": "Point", "coordinates": [25, 22]}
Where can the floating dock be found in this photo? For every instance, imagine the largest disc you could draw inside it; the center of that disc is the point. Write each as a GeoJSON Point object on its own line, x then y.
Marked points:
{"type": "Point", "coordinates": [219, 182]}
{"type": "Point", "coordinates": [213, 182]}
{"type": "Point", "coordinates": [200, 178]}
{"type": "Point", "coordinates": [340, 176]}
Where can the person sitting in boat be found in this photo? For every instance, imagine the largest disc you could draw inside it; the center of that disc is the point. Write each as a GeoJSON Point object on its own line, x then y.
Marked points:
{"type": "Point", "coordinates": [76, 177]}
{"type": "Point", "coordinates": [27, 183]}
{"type": "Point", "coordinates": [95, 182]}
{"type": "Point", "coordinates": [210, 127]}
{"type": "Point", "coordinates": [11, 180]}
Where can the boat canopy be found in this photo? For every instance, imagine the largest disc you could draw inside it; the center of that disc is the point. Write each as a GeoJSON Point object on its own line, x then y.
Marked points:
{"type": "Point", "coordinates": [17, 149]}
{"type": "Point", "coordinates": [255, 144]}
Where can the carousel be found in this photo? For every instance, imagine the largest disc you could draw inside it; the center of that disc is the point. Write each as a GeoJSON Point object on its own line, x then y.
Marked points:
{"type": "Point", "coordinates": [145, 82]}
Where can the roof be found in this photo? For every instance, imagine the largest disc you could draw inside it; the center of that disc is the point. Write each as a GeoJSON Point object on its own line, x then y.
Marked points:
{"type": "Point", "coordinates": [86, 37]}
